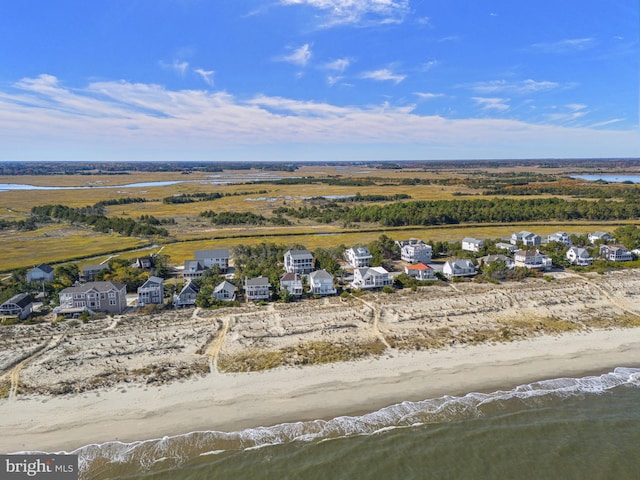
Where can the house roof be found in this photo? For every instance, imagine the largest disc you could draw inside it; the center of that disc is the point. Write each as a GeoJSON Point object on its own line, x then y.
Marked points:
{"type": "Point", "coordinates": [418, 266]}
{"type": "Point", "coordinates": [299, 253]}
{"type": "Point", "coordinates": [527, 253]}
{"type": "Point", "coordinates": [193, 265]}
{"type": "Point", "coordinates": [152, 280]}
{"type": "Point", "coordinates": [360, 251]}
{"type": "Point", "coordinates": [471, 240]}
{"type": "Point", "coordinates": [412, 241]}
{"type": "Point", "coordinates": [224, 285]}
{"type": "Point", "coordinates": [219, 253]}
{"type": "Point", "coordinates": [290, 277]}
{"type": "Point", "coordinates": [191, 286]}
{"type": "Point", "coordinates": [320, 274]}
{"type": "Point", "coordinates": [257, 282]}
{"type": "Point", "coordinates": [97, 286]}
{"type": "Point", "coordinates": [494, 258]}
{"type": "Point", "coordinates": [21, 300]}
{"type": "Point", "coordinates": [579, 251]}
{"type": "Point", "coordinates": [460, 264]}
{"type": "Point", "coordinates": [44, 268]}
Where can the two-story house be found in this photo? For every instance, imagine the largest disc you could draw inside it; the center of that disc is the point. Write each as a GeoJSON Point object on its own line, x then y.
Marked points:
{"type": "Point", "coordinates": [420, 271]}
{"type": "Point", "coordinates": [579, 256]}
{"type": "Point", "coordinates": [151, 292]}
{"type": "Point", "coordinates": [532, 259]}
{"type": "Point", "coordinates": [298, 261]}
{"type": "Point", "coordinates": [471, 244]}
{"type": "Point", "coordinates": [527, 239]}
{"type": "Point", "coordinates": [562, 237]}
{"type": "Point", "coordinates": [358, 257]}
{"type": "Point", "coordinates": [321, 283]}
{"type": "Point", "coordinates": [213, 258]}
{"type": "Point", "coordinates": [615, 253]}
{"type": "Point", "coordinates": [225, 291]}
{"type": "Point", "coordinates": [415, 251]}
{"type": "Point", "coordinates": [41, 273]}
{"type": "Point", "coordinates": [187, 296]}
{"type": "Point", "coordinates": [256, 289]}
{"type": "Point", "coordinates": [108, 297]}
{"type": "Point", "coordinates": [601, 237]}
{"type": "Point", "coordinates": [193, 269]}
{"type": "Point", "coordinates": [459, 268]}
{"type": "Point", "coordinates": [371, 277]}
{"type": "Point", "coordinates": [292, 282]}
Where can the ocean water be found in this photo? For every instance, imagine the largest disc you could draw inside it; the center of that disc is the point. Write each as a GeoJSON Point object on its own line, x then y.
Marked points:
{"type": "Point", "coordinates": [565, 428]}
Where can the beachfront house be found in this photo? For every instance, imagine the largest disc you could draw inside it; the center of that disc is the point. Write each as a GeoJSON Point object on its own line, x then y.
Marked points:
{"type": "Point", "coordinates": [506, 246]}
{"type": "Point", "coordinates": [193, 269]}
{"type": "Point", "coordinates": [527, 239]}
{"type": "Point", "coordinates": [108, 297]}
{"type": "Point", "coordinates": [20, 305]}
{"type": "Point", "coordinates": [40, 273]}
{"type": "Point", "coordinates": [415, 251]}
{"type": "Point", "coordinates": [562, 237]}
{"type": "Point", "coordinates": [471, 244]}
{"type": "Point", "coordinates": [88, 272]}
{"type": "Point", "coordinates": [358, 257]}
{"type": "Point", "coordinates": [151, 292]}
{"type": "Point", "coordinates": [458, 268]}
{"type": "Point", "coordinates": [579, 256]}
{"type": "Point", "coordinates": [256, 289]}
{"type": "Point", "coordinates": [615, 253]}
{"type": "Point", "coordinates": [532, 259]}
{"type": "Point", "coordinates": [225, 291]}
{"type": "Point", "coordinates": [298, 261]}
{"type": "Point", "coordinates": [601, 237]}
{"type": "Point", "coordinates": [292, 283]}
{"type": "Point", "coordinates": [187, 296]}
{"type": "Point", "coordinates": [371, 277]}
{"type": "Point", "coordinates": [489, 259]}
{"type": "Point", "coordinates": [420, 271]}
{"type": "Point", "coordinates": [213, 258]}
{"type": "Point", "coordinates": [321, 283]}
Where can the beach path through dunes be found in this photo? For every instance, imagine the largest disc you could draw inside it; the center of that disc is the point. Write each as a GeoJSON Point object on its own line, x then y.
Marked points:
{"type": "Point", "coordinates": [607, 294]}
{"type": "Point", "coordinates": [14, 374]}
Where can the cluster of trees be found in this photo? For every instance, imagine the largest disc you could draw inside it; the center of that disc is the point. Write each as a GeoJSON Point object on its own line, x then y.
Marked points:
{"type": "Point", "coordinates": [330, 180]}
{"type": "Point", "coordinates": [437, 212]}
{"type": "Point", "coordinates": [27, 224]}
{"type": "Point", "coordinates": [205, 197]}
{"type": "Point", "coordinates": [571, 188]}
{"type": "Point", "coordinates": [242, 218]}
{"type": "Point", "coordinates": [120, 201]}
{"type": "Point", "coordinates": [98, 221]}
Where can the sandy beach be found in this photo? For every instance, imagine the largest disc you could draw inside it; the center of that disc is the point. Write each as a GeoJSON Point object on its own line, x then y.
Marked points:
{"type": "Point", "coordinates": [140, 403]}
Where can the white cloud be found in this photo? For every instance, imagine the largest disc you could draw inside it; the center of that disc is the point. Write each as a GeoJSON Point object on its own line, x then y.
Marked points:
{"type": "Point", "coordinates": [207, 75]}
{"type": "Point", "coordinates": [565, 46]}
{"type": "Point", "coordinates": [428, 96]}
{"type": "Point", "coordinates": [361, 12]}
{"type": "Point", "coordinates": [492, 103]}
{"type": "Point", "coordinates": [524, 87]}
{"type": "Point", "coordinates": [42, 119]}
{"type": "Point", "coordinates": [300, 56]}
{"type": "Point", "coordinates": [180, 67]}
{"type": "Point", "coordinates": [382, 75]}
{"type": "Point", "coordinates": [339, 65]}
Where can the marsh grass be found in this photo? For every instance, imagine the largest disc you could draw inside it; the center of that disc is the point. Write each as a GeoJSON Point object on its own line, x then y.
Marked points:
{"type": "Point", "coordinates": [5, 386]}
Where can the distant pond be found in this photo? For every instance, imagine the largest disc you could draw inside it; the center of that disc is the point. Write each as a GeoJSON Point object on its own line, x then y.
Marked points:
{"type": "Point", "coordinates": [609, 178]}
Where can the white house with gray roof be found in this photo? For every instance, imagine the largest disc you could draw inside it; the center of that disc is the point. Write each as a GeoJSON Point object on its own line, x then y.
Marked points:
{"type": "Point", "coordinates": [41, 273]}
{"type": "Point", "coordinates": [298, 261]}
{"type": "Point", "coordinates": [151, 292]}
{"type": "Point", "coordinates": [371, 277]}
{"type": "Point", "coordinates": [358, 257]}
{"type": "Point", "coordinates": [321, 283]}
{"type": "Point", "coordinates": [459, 268]}
{"type": "Point", "coordinates": [213, 258]}
{"type": "Point", "coordinates": [415, 251]}
{"type": "Point", "coordinates": [256, 289]}
{"type": "Point", "coordinates": [579, 256]}
{"type": "Point", "coordinates": [225, 291]}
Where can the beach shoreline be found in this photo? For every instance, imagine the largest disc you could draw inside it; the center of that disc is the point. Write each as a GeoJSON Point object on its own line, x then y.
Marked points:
{"type": "Point", "coordinates": [233, 402]}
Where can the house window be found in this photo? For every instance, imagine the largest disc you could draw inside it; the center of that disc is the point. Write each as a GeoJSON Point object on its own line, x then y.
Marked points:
{"type": "Point", "coordinates": [112, 294]}
{"type": "Point", "coordinates": [112, 302]}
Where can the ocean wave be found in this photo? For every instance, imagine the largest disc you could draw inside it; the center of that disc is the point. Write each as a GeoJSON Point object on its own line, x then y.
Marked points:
{"type": "Point", "coordinates": [173, 451]}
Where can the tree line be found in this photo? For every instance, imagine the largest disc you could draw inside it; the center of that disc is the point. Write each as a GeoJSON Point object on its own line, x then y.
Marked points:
{"type": "Point", "coordinates": [437, 212]}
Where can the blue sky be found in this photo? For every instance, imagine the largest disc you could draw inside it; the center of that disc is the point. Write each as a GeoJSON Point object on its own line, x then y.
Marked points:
{"type": "Point", "coordinates": [245, 80]}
